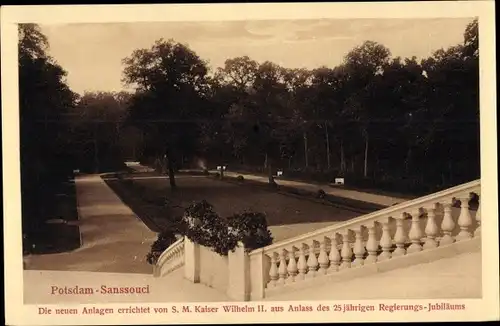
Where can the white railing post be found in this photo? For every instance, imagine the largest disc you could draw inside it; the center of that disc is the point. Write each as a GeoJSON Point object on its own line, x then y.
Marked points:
{"type": "Point", "coordinates": [385, 240]}
{"type": "Point", "coordinates": [282, 270]}
{"type": "Point", "coordinates": [415, 234]}
{"type": "Point", "coordinates": [359, 247]}
{"type": "Point", "coordinates": [465, 219]}
{"type": "Point", "coordinates": [431, 228]}
{"type": "Point", "coordinates": [323, 257]}
{"type": "Point", "coordinates": [334, 255]}
{"type": "Point", "coordinates": [292, 265]}
{"type": "Point", "coordinates": [371, 244]}
{"type": "Point", "coordinates": [312, 261]}
{"type": "Point", "coordinates": [191, 261]}
{"type": "Point", "coordinates": [346, 252]}
{"type": "Point", "coordinates": [239, 274]}
{"type": "Point", "coordinates": [478, 220]}
{"type": "Point", "coordinates": [447, 225]}
{"type": "Point", "coordinates": [400, 237]}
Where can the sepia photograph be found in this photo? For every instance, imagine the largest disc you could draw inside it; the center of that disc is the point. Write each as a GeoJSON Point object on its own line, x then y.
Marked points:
{"type": "Point", "coordinates": [224, 163]}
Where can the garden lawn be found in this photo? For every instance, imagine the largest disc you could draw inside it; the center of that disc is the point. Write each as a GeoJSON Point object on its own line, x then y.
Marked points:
{"type": "Point", "coordinates": [287, 216]}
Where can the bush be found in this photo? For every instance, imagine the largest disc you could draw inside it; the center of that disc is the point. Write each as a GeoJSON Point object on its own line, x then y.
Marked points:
{"type": "Point", "coordinates": [205, 172]}
{"type": "Point", "coordinates": [217, 175]}
{"type": "Point", "coordinates": [250, 228]}
{"type": "Point", "coordinates": [240, 178]}
{"type": "Point", "coordinates": [205, 227]}
{"type": "Point", "coordinates": [321, 194]}
{"type": "Point", "coordinates": [272, 184]}
{"type": "Point", "coordinates": [165, 240]}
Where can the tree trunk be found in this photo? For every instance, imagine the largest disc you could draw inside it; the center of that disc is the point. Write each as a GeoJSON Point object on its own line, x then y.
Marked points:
{"type": "Point", "coordinates": [306, 156]}
{"type": "Point", "coordinates": [366, 157]}
{"type": "Point", "coordinates": [327, 146]}
{"type": "Point", "coordinates": [408, 160]}
{"type": "Point", "coordinates": [342, 156]}
{"type": "Point", "coordinates": [270, 172]}
{"type": "Point", "coordinates": [171, 170]}
{"type": "Point", "coordinates": [265, 162]}
{"type": "Point", "coordinates": [96, 151]}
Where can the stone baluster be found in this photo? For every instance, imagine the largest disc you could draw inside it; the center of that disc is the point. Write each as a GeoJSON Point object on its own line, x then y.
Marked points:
{"type": "Point", "coordinates": [371, 244]}
{"type": "Point", "coordinates": [415, 233]}
{"type": "Point", "coordinates": [334, 255]}
{"type": "Point", "coordinates": [385, 241]}
{"type": "Point", "coordinates": [431, 228]}
{"type": "Point", "coordinates": [465, 219]}
{"type": "Point", "coordinates": [283, 273]}
{"type": "Point", "coordinates": [292, 265]}
{"type": "Point", "coordinates": [312, 261]}
{"type": "Point", "coordinates": [302, 263]}
{"type": "Point", "coordinates": [400, 237]}
{"type": "Point", "coordinates": [346, 251]}
{"type": "Point", "coordinates": [323, 257]}
{"type": "Point", "coordinates": [447, 225]}
{"type": "Point", "coordinates": [359, 248]}
{"type": "Point", "coordinates": [477, 233]}
{"type": "Point", "coordinates": [273, 271]}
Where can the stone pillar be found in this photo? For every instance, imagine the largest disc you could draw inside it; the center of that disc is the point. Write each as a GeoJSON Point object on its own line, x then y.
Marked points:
{"type": "Point", "coordinates": [259, 274]}
{"type": "Point", "coordinates": [191, 261]}
{"type": "Point", "coordinates": [239, 274]}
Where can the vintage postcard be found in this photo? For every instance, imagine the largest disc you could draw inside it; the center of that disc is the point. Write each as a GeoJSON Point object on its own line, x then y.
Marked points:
{"type": "Point", "coordinates": [250, 163]}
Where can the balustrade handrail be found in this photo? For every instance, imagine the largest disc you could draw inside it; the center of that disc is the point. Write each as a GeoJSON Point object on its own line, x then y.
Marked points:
{"type": "Point", "coordinates": [400, 208]}
{"type": "Point", "coordinates": [164, 256]}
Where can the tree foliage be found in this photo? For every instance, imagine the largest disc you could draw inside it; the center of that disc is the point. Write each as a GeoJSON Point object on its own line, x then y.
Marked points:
{"type": "Point", "coordinates": [45, 102]}
{"type": "Point", "coordinates": [378, 119]}
{"type": "Point", "coordinates": [170, 98]}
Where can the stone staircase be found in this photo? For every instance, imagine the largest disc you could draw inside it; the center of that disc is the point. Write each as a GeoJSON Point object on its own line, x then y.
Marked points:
{"type": "Point", "coordinates": [442, 225]}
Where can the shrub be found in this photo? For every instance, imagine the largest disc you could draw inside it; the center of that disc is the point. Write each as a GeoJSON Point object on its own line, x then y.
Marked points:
{"type": "Point", "coordinates": [321, 194]}
{"type": "Point", "coordinates": [272, 184]}
{"type": "Point", "coordinates": [250, 228]}
{"type": "Point", "coordinates": [205, 172]}
{"type": "Point", "coordinates": [240, 178]}
{"type": "Point", "coordinates": [165, 240]}
{"type": "Point", "coordinates": [217, 175]}
{"type": "Point", "coordinates": [205, 227]}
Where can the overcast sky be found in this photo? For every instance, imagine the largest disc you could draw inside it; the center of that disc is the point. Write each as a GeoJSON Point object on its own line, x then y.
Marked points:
{"type": "Point", "coordinates": [92, 53]}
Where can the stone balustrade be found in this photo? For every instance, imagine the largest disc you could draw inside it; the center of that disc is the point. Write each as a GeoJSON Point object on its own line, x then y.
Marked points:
{"type": "Point", "coordinates": [423, 224]}
{"type": "Point", "coordinates": [171, 259]}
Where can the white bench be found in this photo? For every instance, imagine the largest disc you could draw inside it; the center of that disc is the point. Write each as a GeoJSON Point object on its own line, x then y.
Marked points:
{"type": "Point", "coordinates": [339, 181]}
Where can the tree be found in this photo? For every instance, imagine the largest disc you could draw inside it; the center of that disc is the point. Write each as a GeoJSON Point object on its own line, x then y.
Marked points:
{"type": "Point", "coordinates": [171, 84]}
{"type": "Point", "coordinates": [239, 72]}
{"type": "Point", "coordinates": [97, 121]}
{"type": "Point", "coordinates": [364, 63]}
{"type": "Point", "coordinates": [45, 100]}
